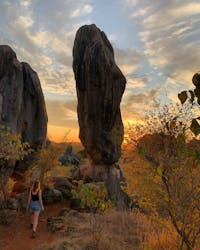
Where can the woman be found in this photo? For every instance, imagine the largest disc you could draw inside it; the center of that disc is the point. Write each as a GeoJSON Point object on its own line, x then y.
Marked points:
{"type": "Point", "coordinates": [35, 205]}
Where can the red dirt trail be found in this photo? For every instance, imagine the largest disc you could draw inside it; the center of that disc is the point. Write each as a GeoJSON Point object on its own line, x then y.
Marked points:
{"type": "Point", "coordinates": [18, 235]}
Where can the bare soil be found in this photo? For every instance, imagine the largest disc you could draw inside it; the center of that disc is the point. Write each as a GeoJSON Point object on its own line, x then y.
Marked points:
{"type": "Point", "coordinates": [18, 235]}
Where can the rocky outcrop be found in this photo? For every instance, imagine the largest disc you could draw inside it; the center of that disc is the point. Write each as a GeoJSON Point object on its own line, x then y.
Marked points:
{"type": "Point", "coordinates": [113, 177]}
{"type": "Point", "coordinates": [100, 85]}
{"type": "Point", "coordinates": [22, 105]}
{"type": "Point", "coordinates": [56, 189]}
{"type": "Point", "coordinates": [33, 115]}
{"type": "Point", "coordinates": [11, 88]}
{"type": "Point", "coordinates": [69, 157]}
{"type": "Point", "coordinates": [51, 195]}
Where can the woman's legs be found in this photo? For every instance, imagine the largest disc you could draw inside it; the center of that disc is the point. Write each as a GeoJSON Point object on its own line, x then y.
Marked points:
{"type": "Point", "coordinates": [31, 220]}
{"type": "Point", "coordinates": [35, 220]}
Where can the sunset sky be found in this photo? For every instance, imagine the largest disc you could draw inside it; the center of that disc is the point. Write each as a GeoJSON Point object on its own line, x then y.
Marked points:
{"type": "Point", "coordinates": [156, 44]}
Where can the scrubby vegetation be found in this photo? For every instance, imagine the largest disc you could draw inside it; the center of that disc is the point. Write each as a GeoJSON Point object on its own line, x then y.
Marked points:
{"type": "Point", "coordinates": [12, 149]}
{"type": "Point", "coordinates": [161, 163]}
{"type": "Point", "coordinates": [164, 176]}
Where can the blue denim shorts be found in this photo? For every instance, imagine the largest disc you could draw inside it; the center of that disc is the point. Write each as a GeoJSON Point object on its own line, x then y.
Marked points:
{"type": "Point", "coordinates": [35, 206]}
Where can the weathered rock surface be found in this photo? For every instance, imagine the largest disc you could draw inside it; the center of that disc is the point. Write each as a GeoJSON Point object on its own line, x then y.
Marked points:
{"type": "Point", "coordinates": [33, 117]}
{"type": "Point", "coordinates": [18, 188]}
{"type": "Point", "coordinates": [63, 185]}
{"type": "Point", "coordinates": [51, 195]}
{"type": "Point", "coordinates": [100, 85]}
{"type": "Point", "coordinates": [56, 189]}
{"type": "Point", "coordinates": [11, 88]}
{"type": "Point", "coordinates": [97, 173]}
{"type": "Point", "coordinates": [22, 105]}
{"type": "Point", "coordinates": [69, 157]}
{"type": "Point", "coordinates": [113, 177]}
{"type": "Point", "coordinates": [55, 224]}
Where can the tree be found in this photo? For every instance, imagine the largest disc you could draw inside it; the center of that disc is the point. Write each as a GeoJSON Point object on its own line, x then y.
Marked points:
{"type": "Point", "coordinates": [44, 160]}
{"type": "Point", "coordinates": [181, 189]}
{"type": "Point", "coordinates": [175, 167]}
{"type": "Point", "coordinates": [12, 149]}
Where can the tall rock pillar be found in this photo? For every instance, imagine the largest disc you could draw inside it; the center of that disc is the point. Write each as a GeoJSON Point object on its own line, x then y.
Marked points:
{"type": "Point", "coordinates": [22, 104]}
{"type": "Point", "coordinates": [100, 85]}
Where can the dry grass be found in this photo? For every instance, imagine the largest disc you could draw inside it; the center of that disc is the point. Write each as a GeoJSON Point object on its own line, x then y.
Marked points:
{"type": "Point", "coordinates": [157, 236]}
{"type": "Point", "coordinates": [113, 230]}
{"type": "Point", "coordinates": [120, 231]}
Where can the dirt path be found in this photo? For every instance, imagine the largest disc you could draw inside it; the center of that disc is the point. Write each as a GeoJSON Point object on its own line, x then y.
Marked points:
{"type": "Point", "coordinates": [18, 236]}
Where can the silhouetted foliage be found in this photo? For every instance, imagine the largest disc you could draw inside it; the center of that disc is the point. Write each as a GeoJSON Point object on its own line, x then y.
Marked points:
{"type": "Point", "coordinates": [193, 96]}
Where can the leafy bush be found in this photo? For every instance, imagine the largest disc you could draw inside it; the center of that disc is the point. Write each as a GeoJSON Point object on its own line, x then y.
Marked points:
{"type": "Point", "coordinates": [92, 196]}
{"type": "Point", "coordinates": [12, 149]}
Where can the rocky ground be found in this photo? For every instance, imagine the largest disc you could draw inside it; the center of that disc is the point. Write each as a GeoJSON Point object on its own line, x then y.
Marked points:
{"type": "Point", "coordinates": [61, 228]}
{"type": "Point", "coordinates": [17, 236]}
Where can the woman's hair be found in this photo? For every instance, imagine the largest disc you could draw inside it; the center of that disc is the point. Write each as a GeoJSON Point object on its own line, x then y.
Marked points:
{"type": "Point", "coordinates": [35, 186]}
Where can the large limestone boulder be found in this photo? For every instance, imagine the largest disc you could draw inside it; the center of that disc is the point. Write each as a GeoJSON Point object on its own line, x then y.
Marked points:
{"type": "Point", "coordinates": [22, 105]}
{"type": "Point", "coordinates": [11, 88]}
{"type": "Point", "coordinates": [33, 112]}
{"type": "Point", "coordinates": [100, 85]}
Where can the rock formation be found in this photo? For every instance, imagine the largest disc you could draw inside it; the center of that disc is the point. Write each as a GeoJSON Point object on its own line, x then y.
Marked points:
{"type": "Point", "coordinates": [69, 157]}
{"type": "Point", "coordinates": [100, 85]}
{"type": "Point", "coordinates": [11, 88]}
{"type": "Point", "coordinates": [22, 105]}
